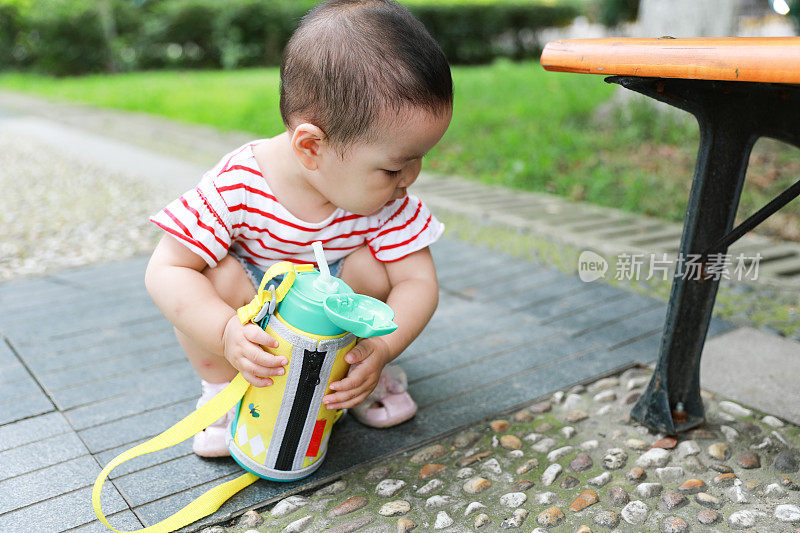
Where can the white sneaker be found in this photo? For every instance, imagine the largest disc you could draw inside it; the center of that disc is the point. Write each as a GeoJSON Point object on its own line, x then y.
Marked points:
{"type": "Point", "coordinates": [211, 441]}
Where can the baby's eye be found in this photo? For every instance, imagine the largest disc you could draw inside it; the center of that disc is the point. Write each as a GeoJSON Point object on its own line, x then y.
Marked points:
{"type": "Point", "coordinates": [392, 173]}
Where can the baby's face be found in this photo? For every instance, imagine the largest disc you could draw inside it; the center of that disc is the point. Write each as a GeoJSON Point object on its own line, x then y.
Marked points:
{"type": "Point", "coordinates": [378, 172]}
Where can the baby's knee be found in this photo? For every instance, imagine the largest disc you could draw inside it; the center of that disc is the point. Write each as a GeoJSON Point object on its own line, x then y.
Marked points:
{"type": "Point", "coordinates": [365, 274]}
{"type": "Point", "coordinates": [230, 281]}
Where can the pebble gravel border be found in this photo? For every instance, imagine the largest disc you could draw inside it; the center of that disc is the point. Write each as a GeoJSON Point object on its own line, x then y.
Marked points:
{"type": "Point", "coordinates": [58, 211]}
{"type": "Point", "coordinates": [573, 463]}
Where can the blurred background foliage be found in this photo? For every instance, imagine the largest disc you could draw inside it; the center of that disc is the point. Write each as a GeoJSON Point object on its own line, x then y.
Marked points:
{"type": "Point", "coordinates": [67, 37]}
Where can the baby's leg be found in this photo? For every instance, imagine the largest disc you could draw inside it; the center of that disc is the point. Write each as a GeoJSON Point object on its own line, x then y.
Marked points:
{"type": "Point", "coordinates": [365, 274]}
{"type": "Point", "coordinates": [235, 289]}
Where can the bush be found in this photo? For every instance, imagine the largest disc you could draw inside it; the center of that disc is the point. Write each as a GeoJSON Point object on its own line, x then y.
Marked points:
{"type": "Point", "coordinates": [69, 36]}
{"type": "Point", "coordinates": [612, 13]}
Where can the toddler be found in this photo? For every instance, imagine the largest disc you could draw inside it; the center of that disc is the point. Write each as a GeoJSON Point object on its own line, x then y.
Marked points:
{"type": "Point", "coordinates": [365, 93]}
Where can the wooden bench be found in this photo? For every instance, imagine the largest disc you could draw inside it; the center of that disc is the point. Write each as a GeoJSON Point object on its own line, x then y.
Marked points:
{"type": "Point", "coordinates": [739, 89]}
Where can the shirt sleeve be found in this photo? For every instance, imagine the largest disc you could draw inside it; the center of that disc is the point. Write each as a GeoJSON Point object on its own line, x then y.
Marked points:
{"type": "Point", "coordinates": [200, 219]}
{"type": "Point", "coordinates": [404, 227]}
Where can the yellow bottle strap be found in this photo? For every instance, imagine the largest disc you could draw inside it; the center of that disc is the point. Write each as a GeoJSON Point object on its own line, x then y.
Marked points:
{"type": "Point", "coordinates": [263, 296]}
{"type": "Point", "coordinates": [192, 424]}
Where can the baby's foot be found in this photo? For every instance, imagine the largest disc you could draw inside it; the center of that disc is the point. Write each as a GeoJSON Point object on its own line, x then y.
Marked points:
{"type": "Point", "coordinates": [211, 441]}
{"type": "Point", "coordinates": [389, 404]}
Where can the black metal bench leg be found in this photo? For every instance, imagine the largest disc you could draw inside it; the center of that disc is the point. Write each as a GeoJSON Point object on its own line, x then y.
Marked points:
{"type": "Point", "coordinates": [731, 117]}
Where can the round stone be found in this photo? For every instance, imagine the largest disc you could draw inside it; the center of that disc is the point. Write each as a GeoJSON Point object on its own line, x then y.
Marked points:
{"type": "Point", "coordinates": [589, 444]}
{"type": "Point", "coordinates": [430, 470]}
{"type": "Point", "coordinates": [498, 426]}
{"type": "Point", "coordinates": [513, 499]}
{"type": "Point", "coordinates": [654, 458]}
{"type": "Point", "coordinates": [744, 518]}
{"type": "Point", "coordinates": [515, 520]}
{"type": "Point", "coordinates": [466, 438]}
{"type": "Point", "coordinates": [719, 450]}
{"type": "Point", "coordinates": [287, 506]}
{"type": "Point", "coordinates": [568, 432]}
{"type": "Point", "coordinates": [544, 427]}
{"type": "Point", "coordinates": [573, 401]}
{"type": "Point", "coordinates": [724, 480]}
{"type": "Point", "coordinates": [581, 462]}
{"type": "Point", "coordinates": [787, 513]}
{"type": "Point", "coordinates": [605, 396]}
{"type": "Point", "coordinates": [636, 444]}
{"type": "Point", "coordinates": [674, 524]}
{"type": "Point", "coordinates": [786, 461]}
{"type": "Point", "coordinates": [730, 434]}
{"type": "Point", "coordinates": [707, 500]}
{"type": "Point", "coordinates": [443, 520]}
{"type": "Point", "coordinates": [635, 513]}
{"type": "Point", "coordinates": [669, 474]}
{"type": "Point", "coordinates": [637, 474]}
{"type": "Point", "coordinates": [354, 503]}
{"type": "Point", "coordinates": [559, 453]}
{"type": "Point", "coordinates": [774, 490]}
{"type": "Point", "coordinates": [527, 466]}
{"type": "Point", "coordinates": [666, 443]}
{"type": "Point", "coordinates": [630, 397]}
{"type": "Point", "coordinates": [694, 464]}
{"type": "Point", "coordinates": [438, 501]}
{"type": "Point", "coordinates": [541, 407]}
{"type": "Point", "coordinates": [476, 485]}
{"type": "Point", "coordinates": [394, 508]}
{"type": "Point", "coordinates": [550, 474]}
{"type": "Point", "coordinates": [601, 480]}
{"type": "Point", "coordinates": [544, 445]}
{"type": "Point", "coordinates": [299, 525]}
{"type": "Point", "coordinates": [648, 490]}
{"type": "Point", "coordinates": [618, 496]}
{"type": "Point", "coordinates": [772, 421]}
{"type": "Point", "coordinates": [569, 482]}
{"type": "Point", "coordinates": [465, 472]}
{"type": "Point", "coordinates": [492, 465]}
{"type": "Point", "coordinates": [404, 525]}
{"type": "Point", "coordinates": [734, 408]}
{"type": "Point", "coordinates": [510, 442]}
{"type": "Point", "coordinates": [250, 519]}
{"type": "Point", "coordinates": [692, 486]}
{"type": "Point", "coordinates": [474, 458]}
{"type": "Point", "coordinates": [333, 488]}
{"type": "Point", "coordinates": [431, 486]}
{"type": "Point", "coordinates": [379, 472]}
{"type": "Point", "coordinates": [472, 507]}
{"type": "Point", "coordinates": [523, 415]}
{"type": "Point", "coordinates": [583, 529]}
{"type": "Point", "coordinates": [749, 460]}
{"type": "Point", "coordinates": [576, 416]}
{"type": "Point", "coordinates": [481, 520]}
{"type": "Point", "coordinates": [428, 454]}
{"type": "Point", "coordinates": [687, 448]}
{"type": "Point", "coordinates": [721, 468]}
{"type": "Point", "coordinates": [545, 498]}
{"type": "Point", "coordinates": [673, 500]}
{"type": "Point", "coordinates": [584, 500]}
{"type": "Point", "coordinates": [521, 485]}
{"type": "Point", "coordinates": [550, 517]}
{"type": "Point", "coordinates": [389, 487]}
{"type": "Point", "coordinates": [606, 518]}
{"type": "Point", "coordinates": [708, 516]}
{"type": "Point", "coordinates": [614, 458]}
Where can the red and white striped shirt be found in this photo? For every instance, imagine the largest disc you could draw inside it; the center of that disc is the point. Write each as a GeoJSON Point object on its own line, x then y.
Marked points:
{"type": "Point", "coordinates": [233, 209]}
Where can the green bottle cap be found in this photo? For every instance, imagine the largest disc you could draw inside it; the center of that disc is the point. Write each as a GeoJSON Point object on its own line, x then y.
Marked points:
{"type": "Point", "coordinates": [360, 314]}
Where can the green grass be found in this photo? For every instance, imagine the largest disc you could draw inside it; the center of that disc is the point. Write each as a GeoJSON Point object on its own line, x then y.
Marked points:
{"type": "Point", "coordinates": [514, 124]}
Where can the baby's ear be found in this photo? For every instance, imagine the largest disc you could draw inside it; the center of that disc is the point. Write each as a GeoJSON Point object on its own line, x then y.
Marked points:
{"type": "Point", "coordinates": [308, 142]}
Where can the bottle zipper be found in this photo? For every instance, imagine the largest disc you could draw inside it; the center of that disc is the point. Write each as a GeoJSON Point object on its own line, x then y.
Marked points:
{"type": "Point", "coordinates": [309, 379]}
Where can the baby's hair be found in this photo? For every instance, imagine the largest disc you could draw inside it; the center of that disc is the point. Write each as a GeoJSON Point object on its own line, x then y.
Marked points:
{"type": "Point", "coordinates": [351, 62]}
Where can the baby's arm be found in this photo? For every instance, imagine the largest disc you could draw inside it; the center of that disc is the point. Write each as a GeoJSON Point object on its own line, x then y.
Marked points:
{"type": "Point", "coordinates": [190, 302]}
{"type": "Point", "coordinates": [414, 296]}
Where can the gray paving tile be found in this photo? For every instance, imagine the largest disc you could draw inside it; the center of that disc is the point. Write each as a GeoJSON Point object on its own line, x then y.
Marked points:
{"type": "Point", "coordinates": [110, 367]}
{"type": "Point", "coordinates": [47, 483]}
{"type": "Point", "coordinates": [13, 371]}
{"type": "Point", "coordinates": [158, 339]}
{"type": "Point", "coordinates": [521, 287]}
{"type": "Point", "coordinates": [644, 350]}
{"type": "Point", "coordinates": [67, 511]}
{"type": "Point", "coordinates": [143, 461]}
{"type": "Point", "coordinates": [130, 429]}
{"type": "Point", "coordinates": [628, 328]}
{"type": "Point", "coordinates": [493, 279]}
{"type": "Point", "coordinates": [105, 271]}
{"type": "Point", "coordinates": [102, 411]}
{"type": "Point", "coordinates": [22, 388]}
{"type": "Point", "coordinates": [40, 454]}
{"type": "Point", "coordinates": [547, 294]}
{"type": "Point", "coordinates": [26, 407]}
{"type": "Point", "coordinates": [143, 381]}
{"type": "Point", "coordinates": [585, 298]}
{"type": "Point", "coordinates": [32, 429]}
{"type": "Point", "coordinates": [164, 479]}
{"type": "Point", "coordinates": [604, 312]}
{"type": "Point", "coordinates": [7, 357]}
{"type": "Point", "coordinates": [124, 521]}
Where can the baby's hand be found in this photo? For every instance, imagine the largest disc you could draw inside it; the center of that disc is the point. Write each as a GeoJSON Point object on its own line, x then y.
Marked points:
{"type": "Point", "coordinates": [368, 358]}
{"type": "Point", "coordinates": [242, 349]}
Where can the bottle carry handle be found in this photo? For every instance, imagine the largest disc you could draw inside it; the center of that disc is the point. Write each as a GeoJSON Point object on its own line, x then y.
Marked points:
{"type": "Point", "coordinates": [203, 417]}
